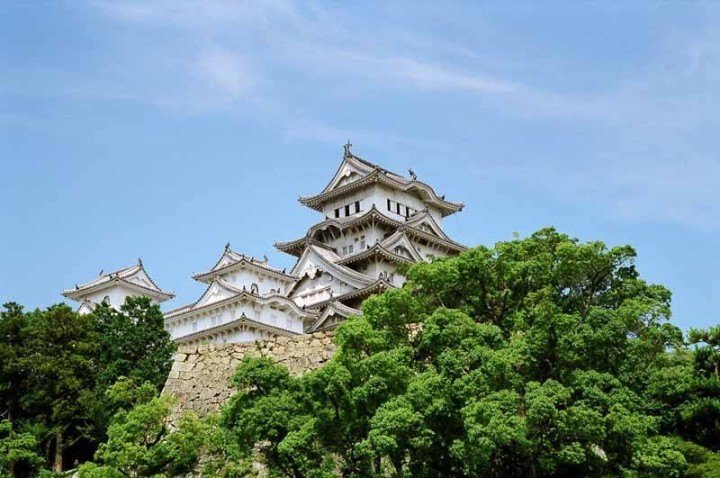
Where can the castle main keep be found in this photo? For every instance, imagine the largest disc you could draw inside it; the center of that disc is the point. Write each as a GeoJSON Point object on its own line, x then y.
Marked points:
{"type": "Point", "coordinates": [372, 221]}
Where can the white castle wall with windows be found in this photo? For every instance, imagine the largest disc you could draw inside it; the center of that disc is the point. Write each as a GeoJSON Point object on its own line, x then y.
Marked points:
{"type": "Point", "coordinates": [374, 219]}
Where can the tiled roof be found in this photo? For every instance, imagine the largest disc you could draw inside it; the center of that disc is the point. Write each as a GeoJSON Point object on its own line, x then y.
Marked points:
{"type": "Point", "coordinates": [236, 259]}
{"type": "Point", "coordinates": [375, 250]}
{"type": "Point", "coordinates": [377, 176]}
{"type": "Point", "coordinates": [237, 293]}
{"type": "Point", "coordinates": [243, 320]}
{"type": "Point", "coordinates": [124, 275]}
{"type": "Point", "coordinates": [297, 246]}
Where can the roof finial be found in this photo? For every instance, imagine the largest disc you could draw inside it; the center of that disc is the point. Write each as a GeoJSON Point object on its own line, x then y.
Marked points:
{"type": "Point", "coordinates": [101, 272]}
{"type": "Point", "coordinates": [265, 258]}
{"type": "Point", "coordinates": [140, 262]}
{"type": "Point", "coordinates": [412, 174]}
{"type": "Point", "coordinates": [346, 149]}
{"type": "Point", "coordinates": [227, 247]}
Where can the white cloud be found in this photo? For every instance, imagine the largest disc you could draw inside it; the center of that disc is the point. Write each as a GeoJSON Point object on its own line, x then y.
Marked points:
{"type": "Point", "coordinates": [235, 54]}
{"type": "Point", "coordinates": [190, 14]}
{"type": "Point", "coordinates": [226, 71]}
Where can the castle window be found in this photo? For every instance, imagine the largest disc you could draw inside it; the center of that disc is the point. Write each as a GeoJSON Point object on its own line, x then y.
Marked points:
{"type": "Point", "coordinates": [350, 249]}
{"type": "Point", "coordinates": [337, 212]}
{"type": "Point", "coordinates": [347, 210]}
{"type": "Point", "coordinates": [357, 206]}
{"type": "Point", "coordinates": [345, 250]}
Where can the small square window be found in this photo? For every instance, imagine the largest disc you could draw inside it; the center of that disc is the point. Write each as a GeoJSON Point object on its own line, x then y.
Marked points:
{"type": "Point", "coordinates": [350, 248]}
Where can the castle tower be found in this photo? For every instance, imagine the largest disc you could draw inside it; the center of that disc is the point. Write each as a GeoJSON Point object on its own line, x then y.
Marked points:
{"type": "Point", "coordinates": [245, 300]}
{"type": "Point", "coordinates": [114, 287]}
{"type": "Point", "coordinates": [374, 220]}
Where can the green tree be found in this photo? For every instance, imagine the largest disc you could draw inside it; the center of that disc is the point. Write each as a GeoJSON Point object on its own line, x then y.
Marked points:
{"type": "Point", "coordinates": [13, 346]}
{"type": "Point", "coordinates": [56, 365]}
{"type": "Point", "coordinates": [60, 360]}
{"type": "Point", "coordinates": [140, 442]}
{"type": "Point", "coordinates": [17, 449]}
{"type": "Point", "coordinates": [700, 412]}
{"type": "Point", "coordinates": [133, 344]}
{"type": "Point", "coordinates": [532, 358]}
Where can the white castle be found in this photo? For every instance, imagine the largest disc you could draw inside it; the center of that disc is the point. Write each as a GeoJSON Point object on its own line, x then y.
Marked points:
{"type": "Point", "coordinates": [374, 220]}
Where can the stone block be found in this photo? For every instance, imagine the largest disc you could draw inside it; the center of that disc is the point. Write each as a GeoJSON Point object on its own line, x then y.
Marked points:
{"type": "Point", "coordinates": [200, 375]}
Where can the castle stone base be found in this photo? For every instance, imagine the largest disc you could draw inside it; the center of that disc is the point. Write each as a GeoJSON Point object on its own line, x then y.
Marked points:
{"type": "Point", "coordinates": [200, 375]}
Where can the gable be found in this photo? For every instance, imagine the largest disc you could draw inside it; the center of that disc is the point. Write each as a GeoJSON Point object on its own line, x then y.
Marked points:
{"type": "Point", "coordinates": [316, 259]}
{"type": "Point", "coordinates": [142, 279]}
{"type": "Point", "coordinates": [225, 260]}
{"type": "Point", "coordinates": [399, 243]}
{"type": "Point", "coordinates": [214, 293]}
{"type": "Point", "coordinates": [350, 170]}
{"type": "Point", "coordinates": [425, 222]}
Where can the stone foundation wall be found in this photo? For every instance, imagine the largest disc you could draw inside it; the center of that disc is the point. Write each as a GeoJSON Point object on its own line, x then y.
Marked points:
{"type": "Point", "coordinates": [200, 375]}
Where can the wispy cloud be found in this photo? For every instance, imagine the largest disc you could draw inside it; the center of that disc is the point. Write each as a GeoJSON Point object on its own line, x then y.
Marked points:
{"type": "Point", "coordinates": [227, 71]}
{"type": "Point", "coordinates": [259, 57]}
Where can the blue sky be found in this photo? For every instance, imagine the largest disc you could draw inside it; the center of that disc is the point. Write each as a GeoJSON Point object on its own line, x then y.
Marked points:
{"type": "Point", "coordinates": [164, 130]}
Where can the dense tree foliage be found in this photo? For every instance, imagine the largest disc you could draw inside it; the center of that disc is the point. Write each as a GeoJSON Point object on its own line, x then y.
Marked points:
{"type": "Point", "coordinates": [140, 442]}
{"type": "Point", "coordinates": [17, 450]}
{"type": "Point", "coordinates": [538, 357]}
{"type": "Point", "coordinates": [133, 343]}
{"type": "Point", "coordinates": [55, 366]}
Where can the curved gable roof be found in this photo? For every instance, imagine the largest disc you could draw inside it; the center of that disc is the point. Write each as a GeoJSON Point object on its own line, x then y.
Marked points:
{"type": "Point", "coordinates": [233, 294]}
{"type": "Point", "coordinates": [134, 277]}
{"type": "Point", "coordinates": [424, 191]}
{"type": "Point", "coordinates": [327, 260]}
{"type": "Point", "coordinates": [231, 260]}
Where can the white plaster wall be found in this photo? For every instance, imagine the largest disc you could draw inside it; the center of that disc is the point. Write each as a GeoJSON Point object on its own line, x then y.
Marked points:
{"type": "Point", "coordinates": [116, 295]}
{"type": "Point", "coordinates": [204, 320]}
{"type": "Point", "coordinates": [360, 195]}
{"type": "Point", "coordinates": [374, 269]}
{"type": "Point", "coordinates": [247, 277]}
{"type": "Point", "coordinates": [426, 252]}
{"type": "Point", "coordinates": [378, 195]}
{"type": "Point", "coordinates": [312, 291]}
{"type": "Point", "coordinates": [372, 235]}
{"type": "Point", "coordinates": [382, 194]}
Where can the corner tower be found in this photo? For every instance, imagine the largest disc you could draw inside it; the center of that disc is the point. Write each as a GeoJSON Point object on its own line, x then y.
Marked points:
{"type": "Point", "coordinates": [114, 287]}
